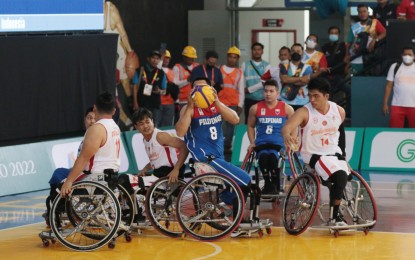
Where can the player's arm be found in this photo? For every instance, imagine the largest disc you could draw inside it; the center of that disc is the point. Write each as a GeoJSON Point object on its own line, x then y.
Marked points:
{"type": "Point", "coordinates": [120, 27]}
{"type": "Point", "coordinates": [299, 118]}
{"type": "Point", "coordinates": [95, 136]}
{"type": "Point", "coordinates": [145, 170]}
{"type": "Point", "coordinates": [228, 114]}
{"type": "Point", "coordinates": [342, 136]}
{"type": "Point", "coordinates": [185, 118]}
{"type": "Point", "coordinates": [251, 126]}
{"type": "Point", "coordinates": [172, 141]}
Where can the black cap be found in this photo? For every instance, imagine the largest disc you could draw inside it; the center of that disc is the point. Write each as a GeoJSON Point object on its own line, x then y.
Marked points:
{"type": "Point", "coordinates": [154, 52]}
{"type": "Point", "coordinates": [212, 54]}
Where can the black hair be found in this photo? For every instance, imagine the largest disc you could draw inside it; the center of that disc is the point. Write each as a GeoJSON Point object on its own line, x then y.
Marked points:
{"type": "Point", "coordinates": [297, 44]}
{"type": "Point", "coordinates": [362, 5]}
{"type": "Point", "coordinates": [271, 82]}
{"type": "Point", "coordinates": [211, 54]}
{"type": "Point", "coordinates": [408, 47]}
{"type": "Point", "coordinates": [315, 35]}
{"type": "Point", "coordinates": [257, 44]}
{"type": "Point", "coordinates": [141, 114]}
{"type": "Point", "coordinates": [285, 48]}
{"type": "Point", "coordinates": [320, 84]}
{"type": "Point", "coordinates": [105, 103]}
{"type": "Point", "coordinates": [333, 27]}
{"type": "Point", "coordinates": [202, 78]}
{"type": "Point", "coordinates": [89, 110]}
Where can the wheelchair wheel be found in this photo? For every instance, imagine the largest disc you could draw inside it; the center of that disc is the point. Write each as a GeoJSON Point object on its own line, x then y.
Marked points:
{"type": "Point", "coordinates": [297, 168]}
{"type": "Point", "coordinates": [301, 203]}
{"type": "Point", "coordinates": [161, 200]}
{"type": "Point", "coordinates": [360, 202]}
{"type": "Point", "coordinates": [86, 219]}
{"type": "Point", "coordinates": [204, 207]}
{"type": "Point", "coordinates": [127, 209]}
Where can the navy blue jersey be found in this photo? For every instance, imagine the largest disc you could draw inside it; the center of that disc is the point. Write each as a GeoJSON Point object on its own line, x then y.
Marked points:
{"type": "Point", "coordinates": [269, 122]}
{"type": "Point", "coordinates": [204, 137]}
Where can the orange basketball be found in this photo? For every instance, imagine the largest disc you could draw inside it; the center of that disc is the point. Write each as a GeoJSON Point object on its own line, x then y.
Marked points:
{"type": "Point", "coordinates": [131, 64]}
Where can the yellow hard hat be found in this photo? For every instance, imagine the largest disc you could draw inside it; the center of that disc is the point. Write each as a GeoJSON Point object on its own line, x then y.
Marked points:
{"type": "Point", "coordinates": [234, 50]}
{"type": "Point", "coordinates": [167, 54]}
{"type": "Point", "coordinates": [190, 52]}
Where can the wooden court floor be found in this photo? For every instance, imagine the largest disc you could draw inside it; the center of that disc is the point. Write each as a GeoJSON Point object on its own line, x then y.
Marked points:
{"type": "Point", "coordinates": [392, 238]}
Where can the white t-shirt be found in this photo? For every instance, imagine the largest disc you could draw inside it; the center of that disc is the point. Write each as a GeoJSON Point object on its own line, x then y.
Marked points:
{"type": "Point", "coordinates": [158, 154]}
{"type": "Point", "coordinates": [321, 133]}
{"type": "Point", "coordinates": [403, 85]}
{"type": "Point", "coordinates": [108, 155]}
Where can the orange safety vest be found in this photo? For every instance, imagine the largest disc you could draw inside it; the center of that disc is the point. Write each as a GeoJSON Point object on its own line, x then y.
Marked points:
{"type": "Point", "coordinates": [167, 99]}
{"type": "Point", "coordinates": [229, 95]}
{"type": "Point", "coordinates": [184, 73]}
{"type": "Point", "coordinates": [315, 60]}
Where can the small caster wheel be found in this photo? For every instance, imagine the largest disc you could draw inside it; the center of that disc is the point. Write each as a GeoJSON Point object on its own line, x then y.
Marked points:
{"type": "Point", "coordinates": [366, 231]}
{"type": "Point", "coordinates": [111, 245]}
{"type": "Point", "coordinates": [260, 233]}
{"type": "Point", "coordinates": [183, 235]}
{"type": "Point", "coordinates": [336, 233]}
{"type": "Point", "coordinates": [167, 224]}
{"type": "Point", "coordinates": [268, 230]}
{"type": "Point", "coordinates": [128, 238]}
{"type": "Point", "coordinates": [45, 243]}
{"type": "Point", "coordinates": [53, 241]}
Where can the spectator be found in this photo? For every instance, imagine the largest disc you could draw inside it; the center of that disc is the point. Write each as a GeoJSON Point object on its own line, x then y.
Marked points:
{"type": "Point", "coordinates": [362, 38]}
{"type": "Point", "coordinates": [274, 72]}
{"type": "Point", "coordinates": [149, 82]}
{"type": "Point", "coordinates": [316, 59]}
{"type": "Point", "coordinates": [209, 70]}
{"type": "Point", "coordinates": [401, 78]}
{"type": "Point", "coordinates": [284, 55]}
{"type": "Point", "coordinates": [172, 93]}
{"type": "Point", "coordinates": [294, 79]}
{"type": "Point", "coordinates": [232, 94]}
{"type": "Point", "coordinates": [253, 71]}
{"type": "Point", "coordinates": [406, 10]}
{"type": "Point", "coordinates": [384, 11]}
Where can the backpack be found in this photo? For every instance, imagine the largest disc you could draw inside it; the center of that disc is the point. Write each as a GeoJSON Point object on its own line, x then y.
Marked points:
{"type": "Point", "coordinates": [290, 91]}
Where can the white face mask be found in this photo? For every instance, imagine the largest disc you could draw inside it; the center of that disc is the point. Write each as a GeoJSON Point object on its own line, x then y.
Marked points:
{"type": "Point", "coordinates": [407, 59]}
{"type": "Point", "coordinates": [285, 61]}
{"type": "Point", "coordinates": [311, 44]}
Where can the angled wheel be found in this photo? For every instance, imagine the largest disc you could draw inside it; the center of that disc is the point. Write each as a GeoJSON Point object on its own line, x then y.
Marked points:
{"type": "Point", "coordinates": [161, 200]}
{"type": "Point", "coordinates": [301, 203]}
{"type": "Point", "coordinates": [359, 201]}
{"type": "Point", "coordinates": [205, 207]}
{"type": "Point", "coordinates": [89, 218]}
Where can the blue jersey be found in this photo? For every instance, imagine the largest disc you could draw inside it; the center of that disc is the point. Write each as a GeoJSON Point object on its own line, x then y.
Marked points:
{"type": "Point", "coordinates": [204, 137]}
{"type": "Point", "coordinates": [269, 122]}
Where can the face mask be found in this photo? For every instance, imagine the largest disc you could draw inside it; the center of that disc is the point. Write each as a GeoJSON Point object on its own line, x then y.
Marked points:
{"type": "Point", "coordinates": [311, 44]}
{"type": "Point", "coordinates": [333, 37]}
{"type": "Point", "coordinates": [285, 61]}
{"type": "Point", "coordinates": [295, 56]}
{"type": "Point", "coordinates": [407, 59]}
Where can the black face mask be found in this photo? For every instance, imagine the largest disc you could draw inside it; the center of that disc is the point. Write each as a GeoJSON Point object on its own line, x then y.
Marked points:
{"type": "Point", "coordinates": [295, 56]}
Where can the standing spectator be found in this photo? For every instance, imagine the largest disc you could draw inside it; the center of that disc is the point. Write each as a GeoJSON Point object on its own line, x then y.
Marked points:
{"type": "Point", "coordinates": [274, 72]}
{"type": "Point", "coordinates": [362, 38]}
{"type": "Point", "coordinates": [401, 78]}
{"type": "Point", "coordinates": [253, 71]}
{"type": "Point", "coordinates": [182, 73]}
{"type": "Point", "coordinates": [209, 70]}
{"type": "Point", "coordinates": [294, 79]}
{"type": "Point", "coordinates": [335, 52]}
{"type": "Point", "coordinates": [172, 93]}
{"type": "Point", "coordinates": [284, 55]}
{"type": "Point", "coordinates": [406, 10]}
{"type": "Point", "coordinates": [384, 11]}
{"type": "Point", "coordinates": [232, 94]}
{"type": "Point", "coordinates": [316, 59]}
{"type": "Point", "coordinates": [149, 82]}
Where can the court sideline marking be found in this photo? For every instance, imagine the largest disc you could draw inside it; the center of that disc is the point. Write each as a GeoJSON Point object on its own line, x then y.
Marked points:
{"type": "Point", "coordinates": [218, 250]}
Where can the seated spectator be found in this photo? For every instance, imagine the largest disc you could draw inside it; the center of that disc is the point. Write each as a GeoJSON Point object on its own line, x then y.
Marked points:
{"type": "Point", "coordinates": [401, 79]}
{"type": "Point", "coordinates": [406, 10]}
{"type": "Point", "coordinates": [316, 59]}
{"type": "Point", "coordinates": [384, 11]}
{"type": "Point", "coordinates": [209, 70]}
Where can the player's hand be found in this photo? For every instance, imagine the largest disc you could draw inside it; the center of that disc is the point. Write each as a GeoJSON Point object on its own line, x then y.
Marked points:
{"type": "Point", "coordinates": [251, 147]}
{"type": "Point", "coordinates": [290, 143]}
{"type": "Point", "coordinates": [141, 173]}
{"type": "Point", "coordinates": [173, 175]}
{"type": "Point", "coordinates": [385, 109]}
{"type": "Point", "coordinates": [190, 103]}
{"type": "Point", "coordinates": [66, 188]}
{"type": "Point", "coordinates": [215, 94]}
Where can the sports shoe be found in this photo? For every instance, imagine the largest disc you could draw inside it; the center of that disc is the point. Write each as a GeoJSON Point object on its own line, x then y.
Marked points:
{"type": "Point", "coordinates": [269, 189]}
{"type": "Point", "coordinates": [339, 221]}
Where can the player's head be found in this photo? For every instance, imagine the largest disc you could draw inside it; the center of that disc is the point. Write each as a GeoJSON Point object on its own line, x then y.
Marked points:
{"type": "Point", "coordinates": [271, 91]}
{"type": "Point", "coordinates": [105, 104]}
{"type": "Point", "coordinates": [201, 81]}
{"type": "Point", "coordinates": [143, 121]}
{"type": "Point", "coordinates": [318, 92]}
{"type": "Point", "coordinates": [89, 117]}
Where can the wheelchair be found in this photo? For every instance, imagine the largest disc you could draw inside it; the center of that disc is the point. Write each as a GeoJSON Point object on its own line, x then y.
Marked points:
{"type": "Point", "coordinates": [95, 212]}
{"type": "Point", "coordinates": [305, 200]}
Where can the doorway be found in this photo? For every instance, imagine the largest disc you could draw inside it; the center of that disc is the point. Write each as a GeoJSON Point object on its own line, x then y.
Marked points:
{"type": "Point", "coordinates": [273, 40]}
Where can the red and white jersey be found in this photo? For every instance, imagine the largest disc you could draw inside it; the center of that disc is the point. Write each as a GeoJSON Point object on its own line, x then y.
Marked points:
{"type": "Point", "coordinates": [108, 155]}
{"type": "Point", "coordinates": [321, 133]}
{"type": "Point", "coordinates": [158, 154]}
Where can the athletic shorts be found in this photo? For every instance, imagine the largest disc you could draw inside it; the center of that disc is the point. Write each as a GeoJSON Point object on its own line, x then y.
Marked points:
{"type": "Point", "coordinates": [327, 165]}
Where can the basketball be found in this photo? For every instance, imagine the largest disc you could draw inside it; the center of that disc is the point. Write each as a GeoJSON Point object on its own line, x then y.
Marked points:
{"type": "Point", "coordinates": [131, 64]}
{"type": "Point", "coordinates": [203, 96]}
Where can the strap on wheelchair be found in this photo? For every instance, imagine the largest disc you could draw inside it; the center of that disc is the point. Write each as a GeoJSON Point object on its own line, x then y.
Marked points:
{"type": "Point", "coordinates": [267, 147]}
{"type": "Point", "coordinates": [111, 177]}
{"type": "Point", "coordinates": [315, 157]}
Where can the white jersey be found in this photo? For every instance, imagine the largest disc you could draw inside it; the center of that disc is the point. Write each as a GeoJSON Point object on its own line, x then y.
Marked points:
{"type": "Point", "coordinates": [108, 155]}
{"type": "Point", "coordinates": [321, 133]}
{"type": "Point", "coordinates": [158, 154]}
{"type": "Point", "coordinates": [403, 85]}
